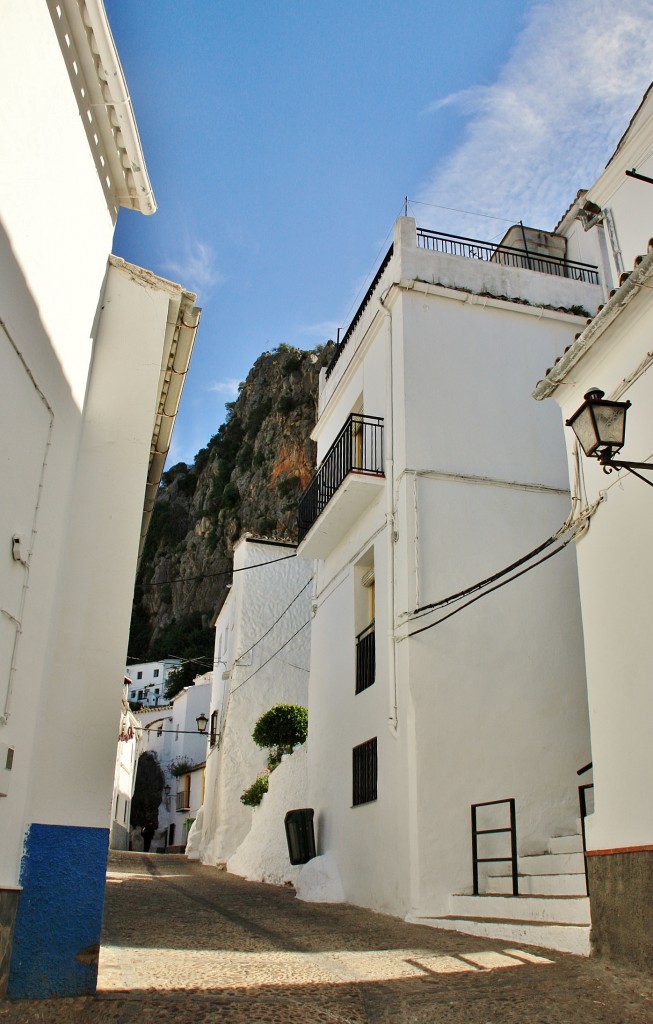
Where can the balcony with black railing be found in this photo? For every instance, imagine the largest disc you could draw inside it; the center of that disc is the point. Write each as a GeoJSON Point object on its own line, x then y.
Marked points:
{"type": "Point", "coordinates": [344, 484]}
{"type": "Point", "coordinates": [506, 256]}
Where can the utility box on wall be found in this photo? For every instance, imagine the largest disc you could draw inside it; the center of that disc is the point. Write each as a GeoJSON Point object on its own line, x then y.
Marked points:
{"type": "Point", "coordinates": [6, 764]}
{"type": "Point", "coordinates": [300, 835]}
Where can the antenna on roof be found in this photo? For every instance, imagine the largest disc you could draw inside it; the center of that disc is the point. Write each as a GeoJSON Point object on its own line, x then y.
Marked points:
{"type": "Point", "coordinates": [405, 206]}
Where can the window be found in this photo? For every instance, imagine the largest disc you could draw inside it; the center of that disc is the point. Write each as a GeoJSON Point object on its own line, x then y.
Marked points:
{"type": "Point", "coordinates": [364, 771]}
{"type": "Point", "coordinates": [157, 690]}
{"type": "Point", "coordinates": [139, 675]}
{"type": "Point", "coordinates": [132, 695]}
{"type": "Point", "coordinates": [213, 736]}
{"type": "Point", "coordinates": [364, 613]}
{"type": "Point", "coordinates": [156, 674]}
{"type": "Point", "coordinates": [140, 694]}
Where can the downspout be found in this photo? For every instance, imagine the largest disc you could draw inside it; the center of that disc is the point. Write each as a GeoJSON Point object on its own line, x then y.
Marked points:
{"type": "Point", "coordinates": [393, 718]}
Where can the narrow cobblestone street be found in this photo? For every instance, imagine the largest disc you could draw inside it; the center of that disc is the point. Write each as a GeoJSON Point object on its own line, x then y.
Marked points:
{"type": "Point", "coordinates": [187, 943]}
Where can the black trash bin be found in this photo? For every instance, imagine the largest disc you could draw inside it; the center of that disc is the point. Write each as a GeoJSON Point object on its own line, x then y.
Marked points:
{"type": "Point", "coordinates": [300, 835]}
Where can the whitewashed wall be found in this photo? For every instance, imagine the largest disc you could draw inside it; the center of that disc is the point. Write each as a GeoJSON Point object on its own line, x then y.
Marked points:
{"type": "Point", "coordinates": [258, 679]}
{"type": "Point", "coordinates": [475, 478]}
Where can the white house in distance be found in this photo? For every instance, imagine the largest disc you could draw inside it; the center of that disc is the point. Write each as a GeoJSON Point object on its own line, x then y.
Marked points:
{"type": "Point", "coordinates": [93, 355]}
{"type": "Point", "coordinates": [446, 663]}
{"type": "Point", "coordinates": [124, 777]}
{"type": "Point", "coordinates": [261, 659]}
{"type": "Point", "coordinates": [172, 733]}
{"type": "Point", "coordinates": [615, 557]}
{"type": "Point", "coordinates": [146, 682]}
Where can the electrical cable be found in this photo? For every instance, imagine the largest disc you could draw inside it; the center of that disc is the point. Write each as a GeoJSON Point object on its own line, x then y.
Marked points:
{"type": "Point", "coordinates": [210, 575]}
{"type": "Point", "coordinates": [468, 213]}
{"type": "Point", "coordinates": [423, 609]}
{"type": "Point", "coordinates": [278, 651]}
{"type": "Point", "coordinates": [307, 584]}
{"type": "Point", "coordinates": [498, 586]}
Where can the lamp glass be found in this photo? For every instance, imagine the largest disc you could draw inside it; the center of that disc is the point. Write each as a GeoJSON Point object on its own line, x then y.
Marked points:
{"type": "Point", "coordinates": [599, 424]}
{"type": "Point", "coordinates": [202, 722]}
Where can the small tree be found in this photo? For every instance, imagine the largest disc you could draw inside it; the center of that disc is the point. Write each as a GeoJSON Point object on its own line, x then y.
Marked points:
{"type": "Point", "coordinates": [148, 790]}
{"type": "Point", "coordinates": [282, 728]}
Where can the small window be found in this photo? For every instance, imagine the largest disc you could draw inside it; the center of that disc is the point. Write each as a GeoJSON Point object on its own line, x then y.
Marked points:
{"type": "Point", "coordinates": [140, 694]}
{"type": "Point", "coordinates": [364, 767]}
{"type": "Point", "coordinates": [156, 674]}
{"type": "Point", "coordinates": [213, 738]}
{"type": "Point", "coordinates": [157, 690]}
{"type": "Point", "coordinates": [133, 695]}
{"type": "Point", "coordinates": [139, 675]}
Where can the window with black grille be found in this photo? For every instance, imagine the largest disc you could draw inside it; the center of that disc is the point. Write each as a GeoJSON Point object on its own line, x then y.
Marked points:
{"type": "Point", "coordinates": [364, 764]}
{"type": "Point", "coordinates": [214, 728]}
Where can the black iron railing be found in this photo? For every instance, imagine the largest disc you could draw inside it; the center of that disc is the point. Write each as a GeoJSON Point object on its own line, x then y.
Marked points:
{"type": "Point", "coordinates": [365, 658]}
{"type": "Point", "coordinates": [359, 312]}
{"type": "Point", "coordinates": [582, 804]}
{"type": "Point", "coordinates": [472, 248]}
{"type": "Point", "coordinates": [358, 448]}
{"type": "Point", "coordinates": [476, 832]}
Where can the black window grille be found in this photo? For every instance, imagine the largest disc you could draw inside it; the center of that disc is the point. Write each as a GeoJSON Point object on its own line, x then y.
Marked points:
{"type": "Point", "coordinates": [365, 659]}
{"type": "Point", "coordinates": [365, 767]}
{"type": "Point", "coordinates": [214, 729]}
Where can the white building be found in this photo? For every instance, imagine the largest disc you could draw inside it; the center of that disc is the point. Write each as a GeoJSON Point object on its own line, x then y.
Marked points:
{"type": "Point", "coordinates": [124, 777]}
{"type": "Point", "coordinates": [93, 354]}
{"type": "Point", "coordinates": [146, 682]}
{"type": "Point", "coordinates": [434, 686]}
{"type": "Point", "coordinates": [261, 659]}
{"type": "Point", "coordinates": [615, 557]}
{"type": "Point", "coordinates": [171, 732]}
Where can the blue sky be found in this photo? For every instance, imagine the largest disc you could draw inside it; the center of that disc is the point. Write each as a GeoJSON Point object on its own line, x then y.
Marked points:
{"type": "Point", "coordinates": [281, 137]}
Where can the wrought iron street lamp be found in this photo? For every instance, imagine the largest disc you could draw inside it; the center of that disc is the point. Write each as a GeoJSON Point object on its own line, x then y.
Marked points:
{"type": "Point", "coordinates": [202, 722]}
{"type": "Point", "coordinates": [600, 426]}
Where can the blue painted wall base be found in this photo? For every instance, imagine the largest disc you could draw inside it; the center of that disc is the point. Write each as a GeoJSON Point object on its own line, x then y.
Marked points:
{"type": "Point", "coordinates": [59, 918]}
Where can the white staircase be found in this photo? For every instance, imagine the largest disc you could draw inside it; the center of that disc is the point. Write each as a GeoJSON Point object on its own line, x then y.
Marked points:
{"type": "Point", "coordinates": [552, 909]}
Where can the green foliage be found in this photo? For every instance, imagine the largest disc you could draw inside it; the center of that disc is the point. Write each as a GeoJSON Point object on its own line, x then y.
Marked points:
{"type": "Point", "coordinates": [230, 496]}
{"type": "Point", "coordinates": [148, 790]}
{"type": "Point", "coordinates": [169, 524]}
{"type": "Point", "coordinates": [244, 457]}
{"type": "Point", "coordinates": [287, 403]}
{"type": "Point", "coordinates": [259, 459]}
{"type": "Point", "coordinates": [267, 525]}
{"type": "Point", "coordinates": [288, 485]}
{"type": "Point", "coordinates": [256, 417]}
{"type": "Point", "coordinates": [283, 727]}
{"type": "Point", "coordinates": [578, 311]}
{"type": "Point", "coordinates": [180, 766]}
{"type": "Point", "coordinates": [255, 793]}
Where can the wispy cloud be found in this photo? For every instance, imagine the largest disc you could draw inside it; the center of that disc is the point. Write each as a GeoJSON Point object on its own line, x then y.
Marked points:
{"type": "Point", "coordinates": [549, 123]}
{"type": "Point", "coordinates": [196, 269]}
{"type": "Point", "coordinates": [323, 330]}
{"type": "Point", "coordinates": [228, 387]}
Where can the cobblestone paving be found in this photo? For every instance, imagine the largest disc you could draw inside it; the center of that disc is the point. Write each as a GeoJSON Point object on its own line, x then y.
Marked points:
{"type": "Point", "coordinates": [186, 943]}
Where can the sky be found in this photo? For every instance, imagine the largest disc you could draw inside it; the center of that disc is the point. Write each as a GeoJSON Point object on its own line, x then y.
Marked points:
{"type": "Point", "coordinates": [283, 136]}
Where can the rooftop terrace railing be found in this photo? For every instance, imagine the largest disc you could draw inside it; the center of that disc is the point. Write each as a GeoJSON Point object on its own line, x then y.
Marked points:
{"type": "Point", "coordinates": [505, 255]}
{"type": "Point", "coordinates": [359, 312]}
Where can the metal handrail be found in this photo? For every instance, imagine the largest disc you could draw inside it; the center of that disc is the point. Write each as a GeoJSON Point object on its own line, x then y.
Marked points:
{"type": "Point", "coordinates": [506, 255]}
{"type": "Point", "coordinates": [358, 448]}
{"type": "Point", "coordinates": [582, 804]}
{"type": "Point", "coordinates": [512, 829]}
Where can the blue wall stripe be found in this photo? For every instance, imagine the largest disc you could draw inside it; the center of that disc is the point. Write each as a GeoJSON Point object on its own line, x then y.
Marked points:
{"type": "Point", "coordinates": [59, 917]}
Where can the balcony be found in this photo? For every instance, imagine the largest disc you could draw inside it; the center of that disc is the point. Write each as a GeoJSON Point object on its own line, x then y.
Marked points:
{"type": "Point", "coordinates": [506, 256]}
{"type": "Point", "coordinates": [342, 487]}
{"type": "Point", "coordinates": [183, 801]}
{"type": "Point", "coordinates": [365, 659]}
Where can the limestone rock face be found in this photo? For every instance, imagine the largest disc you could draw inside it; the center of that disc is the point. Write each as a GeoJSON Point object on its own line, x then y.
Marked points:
{"type": "Point", "coordinates": [246, 480]}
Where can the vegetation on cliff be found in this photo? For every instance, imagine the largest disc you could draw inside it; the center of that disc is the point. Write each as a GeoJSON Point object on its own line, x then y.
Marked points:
{"type": "Point", "coordinates": [247, 479]}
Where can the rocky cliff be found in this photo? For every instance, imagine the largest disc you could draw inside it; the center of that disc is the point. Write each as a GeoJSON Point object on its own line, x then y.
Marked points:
{"type": "Point", "coordinates": [247, 479]}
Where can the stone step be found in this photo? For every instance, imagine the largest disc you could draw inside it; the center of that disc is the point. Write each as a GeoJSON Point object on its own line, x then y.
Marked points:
{"type": "Point", "coordinates": [566, 844]}
{"type": "Point", "coordinates": [540, 885]}
{"type": "Point", "coordinates": [552, 909]}
{"type": "Point", "coordinates": [542, 864]}
{"type": "Point", "coordinates": [566, 938]}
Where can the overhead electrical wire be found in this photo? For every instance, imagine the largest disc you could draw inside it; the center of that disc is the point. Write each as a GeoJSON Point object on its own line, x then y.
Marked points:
{"type": "Point", "coordinates": [307, 584]}
{"type": "Point", "coordinates": [210, 575]}
{"type": "Point", "coordinates": [268, 660]}
{"type": "Point", "coordinates": [498, 586]}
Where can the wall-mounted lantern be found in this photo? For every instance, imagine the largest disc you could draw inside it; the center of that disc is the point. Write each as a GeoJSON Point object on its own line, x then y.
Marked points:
{"type": "Point", "coordinates": [600, 426]}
